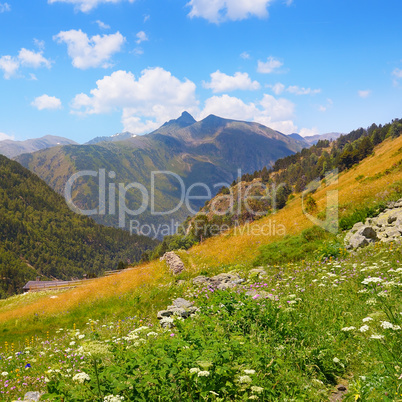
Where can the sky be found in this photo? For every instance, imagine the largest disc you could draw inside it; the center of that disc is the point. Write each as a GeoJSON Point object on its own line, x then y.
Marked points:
{"type": "Point", "coordinates": [86, 68]}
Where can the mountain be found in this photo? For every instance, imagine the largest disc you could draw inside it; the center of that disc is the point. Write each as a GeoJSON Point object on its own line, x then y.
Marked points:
{"type": "Point", "coordinates": [313, 139]}
{"type": "Point", "coordinates": [41, 236]}
{"type": "Point", "coordinates": [11, 148]}
{"type": "Point", "coordinates": [300, 139]}
{"type": "Point", "coordinates": [208, 152]}
{"type": "Point", "coordinates": [113, 138]}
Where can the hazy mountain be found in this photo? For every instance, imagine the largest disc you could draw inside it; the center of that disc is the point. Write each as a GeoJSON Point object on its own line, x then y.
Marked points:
{"type": "Point", "coordinates": [313, 139]}
{"type": "Point", "coordinates": [113, 138]}
{"type": "Point", "coordinates": [12, 148]}
{"type": "Point", "coordinates": [209, 151]}
{"type": "Point", "coordinates": [41, 236]}
{"type": "Point", "coordinates": [300, 139]}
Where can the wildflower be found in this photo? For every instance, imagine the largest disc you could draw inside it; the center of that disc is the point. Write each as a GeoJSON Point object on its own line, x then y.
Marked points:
{"type": "Point", "coordinates": [194, 370]}
{"type": "Point", "coordinates": [367, 319]}
{"type": "Point", "coordinates": [27, 366]}
{"type": "Point", "coordinates": [347, 329]}
{"type": "Point", "coordinates": [386, 325]}
{"type": "Point", "coordinates": [335, 360]}
{"type": "Point", "coordinates": [112, 398]}
{"type": "Point", "coordinates": [81, 377]}
{"type": "Point", "coordinates": [249, 371]}
{"type": "Point", "coordinates": [72, 343]}
{"type": "Point", "coordinates": [371, 280]}
{"type": "Point", "coordinates": [245, 379]}
{"type": "Point", "coordinates": [364, 328]}
{"type": "Point", "coordinates": [257, 390]}
{"type": "Point", "coordinates": [203, 373]}
{"type": "Point", "coordinates": [81, 336]}
{"type": "Point", "coordinates": [4, 374]}
{"type": "Point", "coordinates": [377, 336]}
{"type": "Point", "coordinates": [253, 397]}
{"type": "Point", "coordinates": [371, 302]}
{"type": "Point", "coordinates": [152, 334]}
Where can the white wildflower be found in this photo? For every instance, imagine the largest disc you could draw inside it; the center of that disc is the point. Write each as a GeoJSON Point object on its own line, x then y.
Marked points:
{"type": "Point", "coordinates": [113, 398]}
{"type": "Point", "coordinates": [4, 374]}
{"type": "Point", "coordinates": [387, 325]}
{"type": "Point", "coordinates": [364, 328]}
{"type": "Point", "coordinates": [367, 319]}
{"type": "Point", "coordinates": [371, 302]}
{"type": "Point", "coordinates": [203, 373]}
{"type": "Point", "coordinates": [249, 371]}
{"type": "Point", "coordinates": [335, 360]}
{"type": "Point", "coordinates": [81, 336]}
{"type": "Point", "coordinates": [371, 280]}
{"type": "Point", "coordinates": [81, 377]}
{"type": "Point", "coordinates": [72, 343]}
{"type": "Point", "coordinates": [377, 336]}
{"type": "Point", "coordinates": [257, 390]}
{"type": "Point", "coordinates": [245, 379]}
{"type": "Point", "coordinates": [347, 329]}
{"type": "Point", "coordinates": [194, 370]}
{"type": "Point", "coordinates": [152, 333]}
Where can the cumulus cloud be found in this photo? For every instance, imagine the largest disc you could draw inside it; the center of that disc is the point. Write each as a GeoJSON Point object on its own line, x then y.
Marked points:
{"type": "Point", "coordinates": [228, 10]}
{"type": "Point", "coordinates": [306, 132]}
{"type": "Point", "coordinates": [245, 55]}
{"type": "Point", "coordinates": [141, 37]}
{"type": "Point", "coordinates": [4, 7]}
{"type": "Point", "coordinates": [4, 136]}
{"type": "Point", "coordinates": [46, 102]}
{"type": "Point", "coordinates": [145, 102]}
{"type": "Point", "coordinates": [102, 25]}
{"type": "Point", "coordinates": [364, 93]}
{"type": "Point", "coordinates": [324, 108]}
{"type": "Point", "coordinates": [86, 5]}
{"type": "Point", "coordinates": [269, 66]}
{"type": "Point", "coordinates": [278, 88]}
{"type": "Point", "coordinates": [274, 113]}
{"type": "Point", "coordinates": [221, 82]}
{"type": "Point", "coordinates": [26, 58]}
{"type": "Point", "coordinates": [90, 52]}
{"type": "Point", "coordinates": [397, 74]}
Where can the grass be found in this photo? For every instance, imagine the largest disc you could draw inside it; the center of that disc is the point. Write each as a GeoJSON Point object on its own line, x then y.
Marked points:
{"type": "Point", "coordinates": [304, 355]}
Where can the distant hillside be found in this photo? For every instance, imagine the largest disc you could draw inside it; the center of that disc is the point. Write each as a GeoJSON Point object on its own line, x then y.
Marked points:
{"type": "Point", "coordinates": [209, 151]}
{"type": "Point", "coordinates": [41, 236]}
{"type": "Point", "coordinates": [11, 149]}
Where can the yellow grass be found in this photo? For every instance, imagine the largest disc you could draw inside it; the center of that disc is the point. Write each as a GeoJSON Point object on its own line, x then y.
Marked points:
{"type": "Point", "coordinates": [230, 247]}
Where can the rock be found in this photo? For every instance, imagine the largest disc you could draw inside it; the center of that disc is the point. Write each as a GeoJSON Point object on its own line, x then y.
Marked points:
{"type": "Point", "coordinates": [201, 280]}
{"type": "Point", "coordinates": [174, 262]}
{"type": "Point", "coordinates": [357, 241]}
{"type": "Point", "coordinates": [341, 388]}
{"type": "Point", "coordinates": [368, 232]}
{"type": "Point", "coordinates": [182, 303]}
{"type": "Point", "coordinates": [32, 396]}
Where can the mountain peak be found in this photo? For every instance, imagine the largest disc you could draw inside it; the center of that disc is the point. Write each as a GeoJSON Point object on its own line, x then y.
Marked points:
{"type": "Point", "coordinates": [187, 118]}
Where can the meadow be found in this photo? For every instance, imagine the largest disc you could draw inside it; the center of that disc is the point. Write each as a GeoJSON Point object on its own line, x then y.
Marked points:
{"type": "Point", "coordinates": [320, 317]}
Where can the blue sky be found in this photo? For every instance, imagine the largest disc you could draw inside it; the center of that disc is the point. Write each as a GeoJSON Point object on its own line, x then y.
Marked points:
{"type": "Point", "coordinates": [85, 68]}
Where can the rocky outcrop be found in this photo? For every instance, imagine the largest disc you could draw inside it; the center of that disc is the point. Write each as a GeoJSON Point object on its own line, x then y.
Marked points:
{"type": "Point", "coordinates": [181, 308]}
{"type": "Point", "coordinates": [174, 262]}
{"type": "Point", "coordinates": [386, 227]}
{"type": "Point", "coordinates": [221, 282]}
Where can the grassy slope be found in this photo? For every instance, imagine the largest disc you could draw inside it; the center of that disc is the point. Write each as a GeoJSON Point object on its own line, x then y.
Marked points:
{"type": "Point", "coordinates": [135, 290]}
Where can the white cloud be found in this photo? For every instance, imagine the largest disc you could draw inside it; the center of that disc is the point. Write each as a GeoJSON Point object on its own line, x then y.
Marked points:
{"type": "Point", "coordinates": [272, 112]}
{"type": "Point", "coordinates": [221, 82]}
{"type": "Point", "coordinates": [26, 58]}
{"type": "Point", "coordinates": [142, 37]}
{"type": "Point", "coordinates": [306, 132]}
{"type": "Point", "coordinates": [324, 108]}
{"type": "Point", "coordinates": [9, 65]}
{"type": "Point", "coordinates": [4, 136]}
{"type": "Point", "coordinates": [147, 102]}
{"type": "Point", "coordinates": [364, 93]}
{"type": "Point", "coordinates": [217, 11]}
{"type": "Point", "coordinates": [269, 66]}
{"type": "Point", "coordinates": [46, 102]}
{"type": "Point", "coordinates": [146, 17]}
{"type": "Point", "coordinates": [90, 52]}
{"type": "Point", "coordinates": [397, 73]}
{"type": "Point", "coordinates": [296, 90]}
{"type": "Point", "coordinates": [40, 44]}
{"type": "Point", "coordinates": [245, 55]}
{"type": "Point", "coordinates": [29, 58]}
{"type": "Point", "coordinates": [33, 77]}
{"type": "Point", "coordinates": [86, 5]}
{"type": "Point", "coordinates": [102, 25]}
{"type": "Point", "coordinates": [278, 88]}
{"type": "Point", "coordinates": [4, 7]}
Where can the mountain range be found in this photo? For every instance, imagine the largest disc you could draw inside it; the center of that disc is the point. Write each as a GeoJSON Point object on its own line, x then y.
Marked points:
{"type": "Point", "coordinates": [210, 151]}
{"type": "Point", "coordinates": [11, 148]}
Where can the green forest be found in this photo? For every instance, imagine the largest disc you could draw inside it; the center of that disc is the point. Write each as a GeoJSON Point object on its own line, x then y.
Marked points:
{"type": "Point", "coordinates": [41, 236]}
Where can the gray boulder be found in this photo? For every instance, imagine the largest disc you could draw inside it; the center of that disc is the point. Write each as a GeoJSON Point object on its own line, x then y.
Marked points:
{"type": "Point", "coordinates": [174, 262]}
